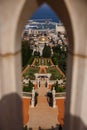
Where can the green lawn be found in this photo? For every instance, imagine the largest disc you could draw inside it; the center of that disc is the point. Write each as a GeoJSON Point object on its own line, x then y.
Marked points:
{"type": "Point", "coordinates": [55, 73]}
{"type": "Point", "coordinates": [30, 72]}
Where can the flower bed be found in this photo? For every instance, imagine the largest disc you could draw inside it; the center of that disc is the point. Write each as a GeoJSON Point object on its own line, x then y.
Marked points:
{"type": "Point", "coordinates": [42, 61]}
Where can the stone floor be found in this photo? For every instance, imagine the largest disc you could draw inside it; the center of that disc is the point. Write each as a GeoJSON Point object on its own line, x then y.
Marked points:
{"type": "Point", "coordinates": [43, 116]}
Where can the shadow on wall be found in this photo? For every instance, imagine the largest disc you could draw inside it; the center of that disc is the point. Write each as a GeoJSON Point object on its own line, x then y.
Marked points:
{"type": "Point", "coordinates": [77, 124]}
{"type": "Point", "coordinates": [11, 112]}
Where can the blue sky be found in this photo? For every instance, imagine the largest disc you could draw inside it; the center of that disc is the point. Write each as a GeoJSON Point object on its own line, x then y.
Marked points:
{"type": "Point", "coordinates": [45, 12]}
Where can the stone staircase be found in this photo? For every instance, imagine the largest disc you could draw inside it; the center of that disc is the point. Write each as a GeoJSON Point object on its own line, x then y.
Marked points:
{"type": "Point", "coordinates": [43, 117]}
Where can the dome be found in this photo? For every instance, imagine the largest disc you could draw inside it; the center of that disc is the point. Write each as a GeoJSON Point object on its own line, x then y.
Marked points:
{"type": "Point", "coordinates": [43, 39]}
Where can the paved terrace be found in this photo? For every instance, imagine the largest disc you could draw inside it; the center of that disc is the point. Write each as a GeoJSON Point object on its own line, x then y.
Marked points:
{"type": "Point", "coordinates": [43, 116]}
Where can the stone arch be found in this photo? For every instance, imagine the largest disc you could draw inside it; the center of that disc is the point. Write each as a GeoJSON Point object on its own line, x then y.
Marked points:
{"type": "Point", "coordinates": [11, 14]}
{"type": "Point", "coordinates": [63, 13]}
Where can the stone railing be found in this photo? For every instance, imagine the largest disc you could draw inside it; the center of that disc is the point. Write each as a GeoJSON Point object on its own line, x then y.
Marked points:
{"type": "Point", "coordinates": [30, 95]}
{"type": "Point", "coordinates": [54, 100]}
{"type": "Point", "coordinates": [27, 94]}
{"type": "Point", "coordinates": [57, 95]}
{"type": "Point", "coordinates": [52, 81]}
{"type": "Point", "coordinates": [61, 94]}
{"type": "Point", "coordinates": [33, 98]}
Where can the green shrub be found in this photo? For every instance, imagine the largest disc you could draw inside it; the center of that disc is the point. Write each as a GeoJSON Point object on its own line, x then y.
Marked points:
{"type": "Point", "coordinates": [60, 89]}
{"type": "Point", "coordinates": [29, 87]}
{"type": "Point", "coordinates": [57, 87]}
{"type": "Point", "coordinates": [31, 60]}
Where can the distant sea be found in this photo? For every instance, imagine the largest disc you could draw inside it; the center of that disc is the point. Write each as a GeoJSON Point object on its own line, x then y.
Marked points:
{"type": "Point", "coordinates": [45, 12]}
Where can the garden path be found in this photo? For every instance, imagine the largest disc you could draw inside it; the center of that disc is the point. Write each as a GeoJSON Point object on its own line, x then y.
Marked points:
{"type": "Point", "coordinates": [43, 116]}
{"type": "Point", "coordinates": [42, 70]}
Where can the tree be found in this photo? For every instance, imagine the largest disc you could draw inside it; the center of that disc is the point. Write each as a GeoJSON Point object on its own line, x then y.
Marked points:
{"type": "Point", "coordinates": [26, 53]}
{"type": "Point", "coordinates": [60, 57]}
{"type": "Point", "coordinates": [36, 53]}
{"type": "Point", "coordinates": [31, 84]}
{"type": "Point", "coordinates": [46, 51]}
{"type": "Point", "coordinates": [55, 58]}
{"type": "Point", "coordinates": [55, 85]}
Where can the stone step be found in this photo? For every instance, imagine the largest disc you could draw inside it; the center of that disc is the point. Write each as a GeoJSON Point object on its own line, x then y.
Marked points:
{"type": "Point", "coordinates": [43, 117]}
{"type": "Point", "coordinates": [39, 128]}
{"type": "Point", "coordinates": [42, 99]}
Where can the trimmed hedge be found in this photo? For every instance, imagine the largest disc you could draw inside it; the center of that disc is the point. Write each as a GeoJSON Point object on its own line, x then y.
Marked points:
{"type": "Point", "coordinates": [29, 87]}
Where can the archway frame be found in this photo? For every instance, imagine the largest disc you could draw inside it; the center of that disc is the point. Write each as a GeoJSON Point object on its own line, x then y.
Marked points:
{"type": "Point", "coordinates": [60, 8]}
{"type": "Point", "coordinates": [13, 15]}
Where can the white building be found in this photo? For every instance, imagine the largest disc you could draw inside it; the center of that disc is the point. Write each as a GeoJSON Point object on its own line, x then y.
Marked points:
{"type": "Point", "coordinates": [60, 28]}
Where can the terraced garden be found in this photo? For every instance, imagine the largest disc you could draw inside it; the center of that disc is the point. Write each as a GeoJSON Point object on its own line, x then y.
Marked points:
{"type": "Point", "coordinates": [55, 74]}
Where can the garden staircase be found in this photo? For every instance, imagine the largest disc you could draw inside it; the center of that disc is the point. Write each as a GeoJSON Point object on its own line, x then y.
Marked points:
{"type": "Point", "coordinates": [42, 70]}
{"type": "Point", "coordinates": [43, 117]}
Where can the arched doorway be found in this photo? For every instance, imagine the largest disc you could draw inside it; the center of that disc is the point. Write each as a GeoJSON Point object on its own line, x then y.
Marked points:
{"type": "Point", "coordinates": [13, 16]}
{"type": "Point", "coordinates": [26, 13]}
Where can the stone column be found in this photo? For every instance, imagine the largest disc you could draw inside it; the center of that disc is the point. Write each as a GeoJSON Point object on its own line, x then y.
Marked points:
{"type": "Point", "coordinates": [38, 85]}
{"type": "Point", "coordinates": [33, 98]}
{"type": "Point", "coordinates": [10, 67]}
{"type": "Point", "coordinates": [76, 90]}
